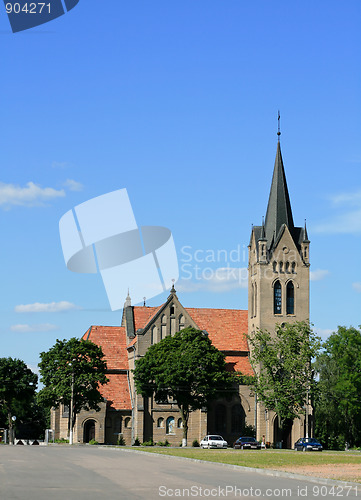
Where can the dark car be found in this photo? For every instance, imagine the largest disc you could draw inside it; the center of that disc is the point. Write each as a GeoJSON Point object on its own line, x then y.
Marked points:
{"type": "Point", "coordinates": [247, 443]}
{"type": "Point", "coordinates": [308, 444]}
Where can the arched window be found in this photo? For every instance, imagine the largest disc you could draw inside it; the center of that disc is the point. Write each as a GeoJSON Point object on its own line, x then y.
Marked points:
{"type": "Point", "coordinates": [181, 322]}
{"type": "Point", "coordinates": [153, 335]}
{"type": "Point", "coordinates": [274, 266]}
{"type": "Point", "coordinates": [127, 422]}
{"type": "Point", "coordinates": [172, 310]}
{"type": "Point", "coordinates": [287, 267]}
{"type": "Point", "coordinates": [221, 418]}
{"type": "Point", "coordinates": [255, 300]}
{"type": "Point", "coordinates": [290, 291]}
{"type": "Point", "coordinates": [180, 423]}
{"type": "Point", "coordinates": [281, 267]}
{"type": "Point", "coordinates": [172, 325]}
{"type": "Point", "coordinates": [170, 425]}
{"type": "Point", "coordinates": [160, 422]}
{"type": "Point", "coordinates": [277, 298]}
{"type": "Point", "coordinates": [293, 267]}
{"type": "Point", "coordinates": [163, 331]}
{"type": "Point", "coordinates": [252, 301]}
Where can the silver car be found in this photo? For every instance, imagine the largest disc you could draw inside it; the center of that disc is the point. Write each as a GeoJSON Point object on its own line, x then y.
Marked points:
{"type": "Point", "coordinates": [213, 441]}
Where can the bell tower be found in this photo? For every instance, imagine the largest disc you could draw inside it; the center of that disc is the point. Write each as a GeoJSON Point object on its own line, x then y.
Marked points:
{"type": "Point", "coordinates": [278, 263]}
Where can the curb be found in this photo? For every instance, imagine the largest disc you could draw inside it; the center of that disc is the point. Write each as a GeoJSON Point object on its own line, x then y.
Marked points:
{"type": "Point", "coordinates": [265, 472]}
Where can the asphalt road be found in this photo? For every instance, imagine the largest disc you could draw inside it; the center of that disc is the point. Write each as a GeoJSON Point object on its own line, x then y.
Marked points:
{"type": "Point", "coordinates": [92, 473]}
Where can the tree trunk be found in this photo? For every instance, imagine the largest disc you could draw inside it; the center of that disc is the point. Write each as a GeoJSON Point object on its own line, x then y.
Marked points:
{"type": "Point", "coordinates": [11, 428]}
{"type": "Point", "coordinates": [184, 410]}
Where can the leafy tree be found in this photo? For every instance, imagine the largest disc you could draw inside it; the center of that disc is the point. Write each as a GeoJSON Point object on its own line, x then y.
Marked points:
{"type": "Point", "coordinates": [338, 401]}
{"type": "Point", "coordinates": [185, 367]}
{"type": "Point", "coordinates": [72, 366]}
{"type": "Point", "coordinates": [282, 360]}
{"type": "Point", "coordinates": [17, 390]}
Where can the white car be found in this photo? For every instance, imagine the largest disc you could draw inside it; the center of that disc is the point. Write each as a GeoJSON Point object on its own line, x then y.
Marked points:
{"type": "Point", "coordinates": [213, 441]}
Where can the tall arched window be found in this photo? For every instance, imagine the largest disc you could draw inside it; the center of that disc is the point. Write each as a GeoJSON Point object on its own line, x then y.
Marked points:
{"type": "Point", "coordinates": [181, 322]}
{"type": "Point", "coordinates": [290, 291]}
{"type": "Point", "coordinates": [277, 298]}
{"type": "Point", "coordinates": [252, 301]}
{"type": "Point", "coordinates": [153, 335]}
{"type": "Point", "coordinates": [163, 328]}
{"type": "Point", "coordinates": [255, 300]}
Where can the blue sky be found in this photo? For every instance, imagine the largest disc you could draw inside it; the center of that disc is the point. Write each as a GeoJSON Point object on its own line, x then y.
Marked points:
{"type": "Point", "coordinates": [177, 102]}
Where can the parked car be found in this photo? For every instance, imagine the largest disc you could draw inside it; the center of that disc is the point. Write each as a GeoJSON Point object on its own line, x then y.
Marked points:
{"type": "Point", "coordinates": [308, 444]}
{"type": "Point", "coordinates": [247, 443]}
{"type": "Point", "coordinates": [213, 441]}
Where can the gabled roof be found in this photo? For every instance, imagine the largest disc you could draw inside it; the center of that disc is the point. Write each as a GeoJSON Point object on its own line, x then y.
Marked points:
{"type": "Point", "coordinates": [112, 340]}
{"type": "Point", "coordinates": [227, 328]}
{"type": "Point", "coordinates": [143, 314]}
{"type": "Point", "coordinates": [116, 391]}
{"type": "Point", "coordinates": [239, 364]}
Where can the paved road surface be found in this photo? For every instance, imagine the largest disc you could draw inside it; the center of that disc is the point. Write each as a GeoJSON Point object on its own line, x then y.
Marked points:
{"type": "Point", "coordinates": [91, 473]}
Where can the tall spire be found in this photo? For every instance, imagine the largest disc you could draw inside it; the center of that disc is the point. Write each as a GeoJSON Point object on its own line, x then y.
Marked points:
{"type": "Point", "coordinates": [279, 206]}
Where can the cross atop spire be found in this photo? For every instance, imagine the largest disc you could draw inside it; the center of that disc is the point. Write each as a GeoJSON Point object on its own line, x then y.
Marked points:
{"type": "Point", "coordinates": [279, 206]}
{"type": "Point", "coordinates": [279, 125]}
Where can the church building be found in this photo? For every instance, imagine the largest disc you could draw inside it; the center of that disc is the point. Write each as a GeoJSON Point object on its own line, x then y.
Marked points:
{"type": "Point", "coordinates": [278, 292]}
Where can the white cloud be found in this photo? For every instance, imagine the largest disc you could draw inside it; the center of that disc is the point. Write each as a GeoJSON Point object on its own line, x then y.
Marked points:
{"type": "Point", "coordinates": [45, 327]}
{"type": "Point", "coordinates": [218, 280]}
{"type": "Point", "coordinates": [324, 333]}
{"type": "Point", "coordinates": [73, 185]}
{"type": "Point", "coordinates": [47, 308]}
{"type": "Point", "coordinates": [60, 164]}
{"type": "Point", "coordinates": [29, 196]}
{"type": "Point", "coordinates": [347, 222]}
{"type": "Point", "coordinates": [34, 368]}
{"type": "Point", "coordinates": [347, 198]}
{"type": "Point", "coordinates": [318, 274]}
{"type": "Point", "coordinates": [357, 286]}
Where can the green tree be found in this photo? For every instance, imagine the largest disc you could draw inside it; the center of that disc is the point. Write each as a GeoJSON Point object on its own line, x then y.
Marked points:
{"type": "Point", "coordinates": [17, 390]}
{"type": "Point", "coordinates": [338, 401]}
{"type": "Point", "coordinates": [72, 372]}
{"type": "Point", "coordinates": [282, 362]}
{"type": "Point", "coordinates": [186, 367]}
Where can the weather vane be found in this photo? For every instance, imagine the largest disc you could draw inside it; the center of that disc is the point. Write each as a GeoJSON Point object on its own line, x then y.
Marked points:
{"type": "Point", "coordinates": [279, 125]}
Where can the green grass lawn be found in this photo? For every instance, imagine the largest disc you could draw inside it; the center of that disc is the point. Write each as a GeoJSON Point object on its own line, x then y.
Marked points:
{"type": "Point", "coordinates": [265, 459]}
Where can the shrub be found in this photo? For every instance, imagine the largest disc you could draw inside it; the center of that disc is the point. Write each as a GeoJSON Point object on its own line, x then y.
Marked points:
{"type": "Point", "coordinates": [121, 441]}
{"type": "Point", "coordinates": [93, 441]}
{"type": "Point", "coordinates": [149, 443]}
{"type": "Point", "coordinates": [166, 443]}
{"type": "Point", "coordinates": [136, 442]}
{"type": "Point", "coordinates": [249, 430]}
{"type": "Point", "coordinates": [195, 443]}
{"type": "Point", "coordinates": [61, 441]}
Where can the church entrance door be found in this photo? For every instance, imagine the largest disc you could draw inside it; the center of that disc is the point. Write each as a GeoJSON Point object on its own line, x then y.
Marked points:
{"type": "Point", "coordinates": [282, 436]}
{"type": "Point", "coordinates": [89, 430]}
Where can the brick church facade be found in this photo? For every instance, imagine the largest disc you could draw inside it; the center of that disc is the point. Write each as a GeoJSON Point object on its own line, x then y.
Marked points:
{"type": "Point", "coordinates": [278, 291]}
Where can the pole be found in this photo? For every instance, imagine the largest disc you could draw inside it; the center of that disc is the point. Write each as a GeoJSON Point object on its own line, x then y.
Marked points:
{"type": "Point", "coordinates": [71, 408]}
{"type": "Point", "coordinates": [307, 415]}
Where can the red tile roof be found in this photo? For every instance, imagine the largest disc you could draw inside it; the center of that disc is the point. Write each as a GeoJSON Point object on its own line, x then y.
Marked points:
{"type": "Point", "coordinates": [112, 340]}
{"type": "Point", "coordinates": [143, 314]}
{"type": "Point", "coordinates": [239, 364]}
{"type": "Point", "coordinates": [116, 391]}
{"type": "Point", "coordinates": [227, 328]}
